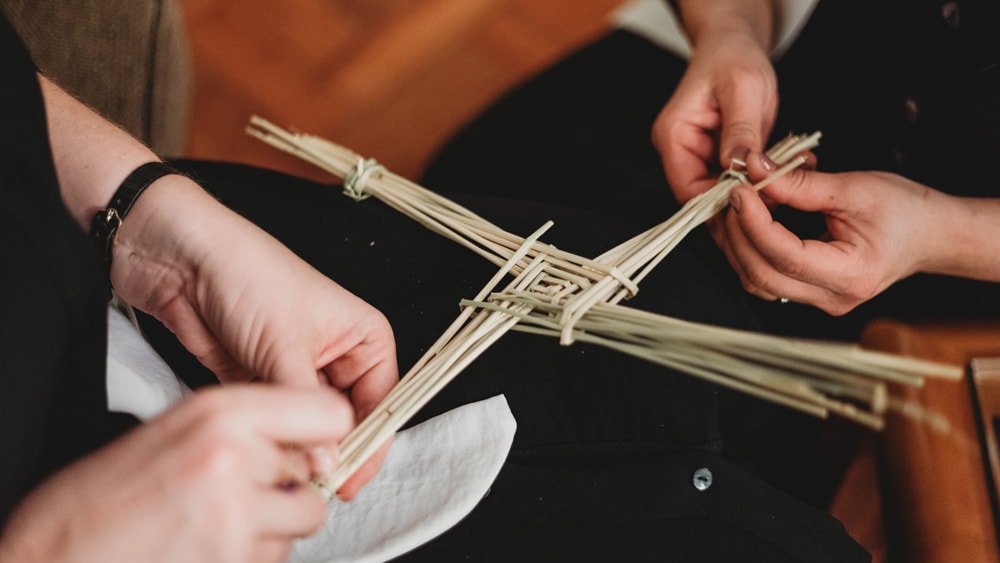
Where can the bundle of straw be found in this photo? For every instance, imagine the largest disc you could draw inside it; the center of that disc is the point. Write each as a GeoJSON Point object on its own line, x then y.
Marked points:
{"type": "Point", "coordinates": [557, 293]}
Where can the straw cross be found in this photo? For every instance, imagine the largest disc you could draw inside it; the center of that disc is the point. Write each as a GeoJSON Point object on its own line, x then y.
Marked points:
{"type": "Point", "coordinates": [557, 293]}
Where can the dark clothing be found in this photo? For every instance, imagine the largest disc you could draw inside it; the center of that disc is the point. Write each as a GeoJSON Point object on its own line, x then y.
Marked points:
{"type": "Point", "coordinates": [52, 338]}
{"type": "Point", "coordinates": [607, 446]}
{"type": "Point", "coordinates": [893, 85]}
{"type": "Point", "coordinates": [604, 460]}
{"type": "Point", "coordinates": [901, 86]}
{"type": "Point", "coordinates": [910, 87]}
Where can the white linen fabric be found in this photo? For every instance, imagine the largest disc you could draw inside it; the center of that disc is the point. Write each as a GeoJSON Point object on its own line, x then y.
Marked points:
{"type": "Point", "coordinates": [435, 474]}
{"type": "Point", "coordinates": [139, 381]}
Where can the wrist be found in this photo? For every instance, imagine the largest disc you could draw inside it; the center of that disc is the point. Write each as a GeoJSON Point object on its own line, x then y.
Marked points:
{"type": "Point", "coordinates": [153, 249]}
{"type": "Point", "coordinates": [966, 242]}
{"type": "Point", "coordinates": [724, 21]}
{"type": "Point", "coordinates": [107, 221]}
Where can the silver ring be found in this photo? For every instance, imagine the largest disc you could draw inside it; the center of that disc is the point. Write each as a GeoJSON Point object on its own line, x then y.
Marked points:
{"type": "Point", "coordinates": [783, 300]}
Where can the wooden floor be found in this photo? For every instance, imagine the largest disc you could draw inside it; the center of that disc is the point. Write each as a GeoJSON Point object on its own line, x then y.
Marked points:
{"type": "Point", "coordinates": [390, 79]}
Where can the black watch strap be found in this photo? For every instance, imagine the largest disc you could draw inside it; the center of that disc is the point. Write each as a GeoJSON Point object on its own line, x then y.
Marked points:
{"type": "Point", "coordinates": [107, 221]}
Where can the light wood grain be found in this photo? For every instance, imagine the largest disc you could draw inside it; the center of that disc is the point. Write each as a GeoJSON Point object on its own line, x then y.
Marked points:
{"type": "Point", "coordinates": [389, 77]}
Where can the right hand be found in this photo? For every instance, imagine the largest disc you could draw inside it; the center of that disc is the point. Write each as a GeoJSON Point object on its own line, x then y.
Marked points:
{"type": "Point", "coordinates": [208, 480]}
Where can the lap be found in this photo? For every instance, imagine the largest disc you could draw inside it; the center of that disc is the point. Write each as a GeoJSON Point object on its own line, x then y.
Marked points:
{"type": "Point", "coordinates": [606, 444]}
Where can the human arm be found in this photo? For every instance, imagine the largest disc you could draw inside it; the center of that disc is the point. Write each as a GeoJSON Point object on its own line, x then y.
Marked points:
{"type": "Point", "coordinates": [881, 228]}
{"type": "Point", "coordinates": [241, 302]}
{"type": "Point", "coordinates": [725, 104]}
{"type": "Point", "coordinates": [211, 479]}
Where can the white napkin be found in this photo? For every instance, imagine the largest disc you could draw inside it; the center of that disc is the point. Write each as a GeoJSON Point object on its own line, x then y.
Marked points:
{"type": "Point", "coordinates": [436, 472]}
{"type": "Point", "coordinates": [139, 381]}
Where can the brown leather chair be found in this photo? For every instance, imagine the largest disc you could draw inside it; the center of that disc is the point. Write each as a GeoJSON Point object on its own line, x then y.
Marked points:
{"type": "Point", "coordinates": [127, 59]}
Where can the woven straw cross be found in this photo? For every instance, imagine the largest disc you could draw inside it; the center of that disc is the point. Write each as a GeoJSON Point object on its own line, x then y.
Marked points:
{"type": "Point", "coordinates": [557, 293]}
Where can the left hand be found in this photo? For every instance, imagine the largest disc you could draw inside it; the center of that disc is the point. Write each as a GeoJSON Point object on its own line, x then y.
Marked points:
{"type": "Point", "coordinates": [881, 228]}
{"type": "Point", "coordinates": [245, 305]}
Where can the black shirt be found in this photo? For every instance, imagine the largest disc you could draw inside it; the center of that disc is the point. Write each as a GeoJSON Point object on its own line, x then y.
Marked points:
{"type": "Point", "coordinates": [52, 310]}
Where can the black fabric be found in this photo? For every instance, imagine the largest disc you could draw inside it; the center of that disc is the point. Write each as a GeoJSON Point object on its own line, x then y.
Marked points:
{"type": "Point", "coordinates": [606, 446]}
{"type": "Point", "coordinates": [52, 338]}
{"type": "Point", "coordinates": [895, 87]}
{"type": "Point", "coordinates": [579, 133]}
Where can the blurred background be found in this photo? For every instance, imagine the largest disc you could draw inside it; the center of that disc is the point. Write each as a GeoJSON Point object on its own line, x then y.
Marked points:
{"type": "Point", "coordinates": [390, 79]}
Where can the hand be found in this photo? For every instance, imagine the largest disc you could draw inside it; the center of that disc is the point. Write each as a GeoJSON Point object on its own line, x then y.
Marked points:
{"type": "Point", "coordinates": [881, 228]}
{"type": "Point", "coordinates": [236, 298]}
{"type": "Point", "coordinates": [246, 306]}
{"type": "Point", "coordinates": [219, 477]}
{"type": "Point", "coordinates": [723, 108]}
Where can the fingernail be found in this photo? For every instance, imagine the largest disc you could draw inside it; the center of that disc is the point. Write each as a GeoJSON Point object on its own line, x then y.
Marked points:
{"type": "Point", "coordinates": [738, 157]}
{"type": "Point", "coordinates": [734, 202]}
{"type": "Point", "coordinates": [289, 486]}
{"type": "Point", "coordinates": [767, 163]}
{"type": "Point", "coordinates": [323, 460]}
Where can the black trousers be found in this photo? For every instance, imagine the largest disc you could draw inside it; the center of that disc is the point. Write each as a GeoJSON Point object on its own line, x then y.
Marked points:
{"type": "Point", "coordinates": [607, 445]}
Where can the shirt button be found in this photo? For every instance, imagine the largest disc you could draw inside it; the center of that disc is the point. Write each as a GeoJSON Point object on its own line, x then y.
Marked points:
{"type": "Point", "coordinates": [702, 479]}
{"type": "Point", "coordinates": [911, 109]}
{"type": "Point", "coordinates": [949, 11]}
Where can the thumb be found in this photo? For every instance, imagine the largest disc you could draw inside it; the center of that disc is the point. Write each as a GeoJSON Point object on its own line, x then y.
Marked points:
{"type": "Point", "coordinates": [747, 111]}
{"type": "Point", "coordinates": [741, 134]}
{"type": "Point", "coordinates": [736, 144]}
{"type": "Point", "coordinates": [292, 367]}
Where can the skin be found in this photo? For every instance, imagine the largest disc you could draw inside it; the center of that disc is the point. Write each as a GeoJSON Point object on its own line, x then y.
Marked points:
{"type": "Point", "coordinates": [195, 484]}
{"type": "Point", "coordinates": [249, 309]}
{"type": "Point", "coordinates": [880, 227]}
{"type": "Point", "coordinates": [724, 105]}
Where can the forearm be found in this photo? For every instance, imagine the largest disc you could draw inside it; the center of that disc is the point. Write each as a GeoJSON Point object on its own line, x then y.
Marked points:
{"type": "Point", "coordinates": [967, 242]}
{"type": "Point", "coordinates": [706, 20]}
{"type": "Point", "coordinates": [91, 155]}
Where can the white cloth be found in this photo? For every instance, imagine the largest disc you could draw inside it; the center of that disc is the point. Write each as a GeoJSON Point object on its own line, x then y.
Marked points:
{"type": "Point", "coordinates": [436, 472]}
{"type": "Point", "coordinates": [656, 21]}
{"type": "Point", "coordinates": [139, 381]}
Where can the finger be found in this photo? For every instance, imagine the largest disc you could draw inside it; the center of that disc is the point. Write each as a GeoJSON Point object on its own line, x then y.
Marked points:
{"type": "Point", "coordinates": [198, 339]}
{"type": "Point", "coordinates": [803, 189]}
{"type": "Point", "coordinates": [368, 368]}
{"type": "Point", "coordinates": [294, 467]}
{"type": "Point", "coordinates": [373, 386]}
{"type": "Point", "coordinates": [288, 415]}
{"type": "Point", "coordinates": [736, 253]}
{"type": "Point", "coordinates": [745, 123]}
{"type": "Point", "coordinates": [760, 166]}
{"type": "Point", "coordinates": [686, 151]}
{"type": "Point", "coordinates": [716, 226]}
{"type": "Point", "coordinates": [271, 549]}
{"type": "Point", "coordinates": [294, 513]}
{"type": "Point", "coordinates": [813, 263]}
{"type": "Point", "coordinates": [364, 474]}
{"type": "Point", "coordinates": [760, 278]}
{"type": "Point", "coordinates": [273, 465]}
{"type": "Point", "coordinates": [294, 366]}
